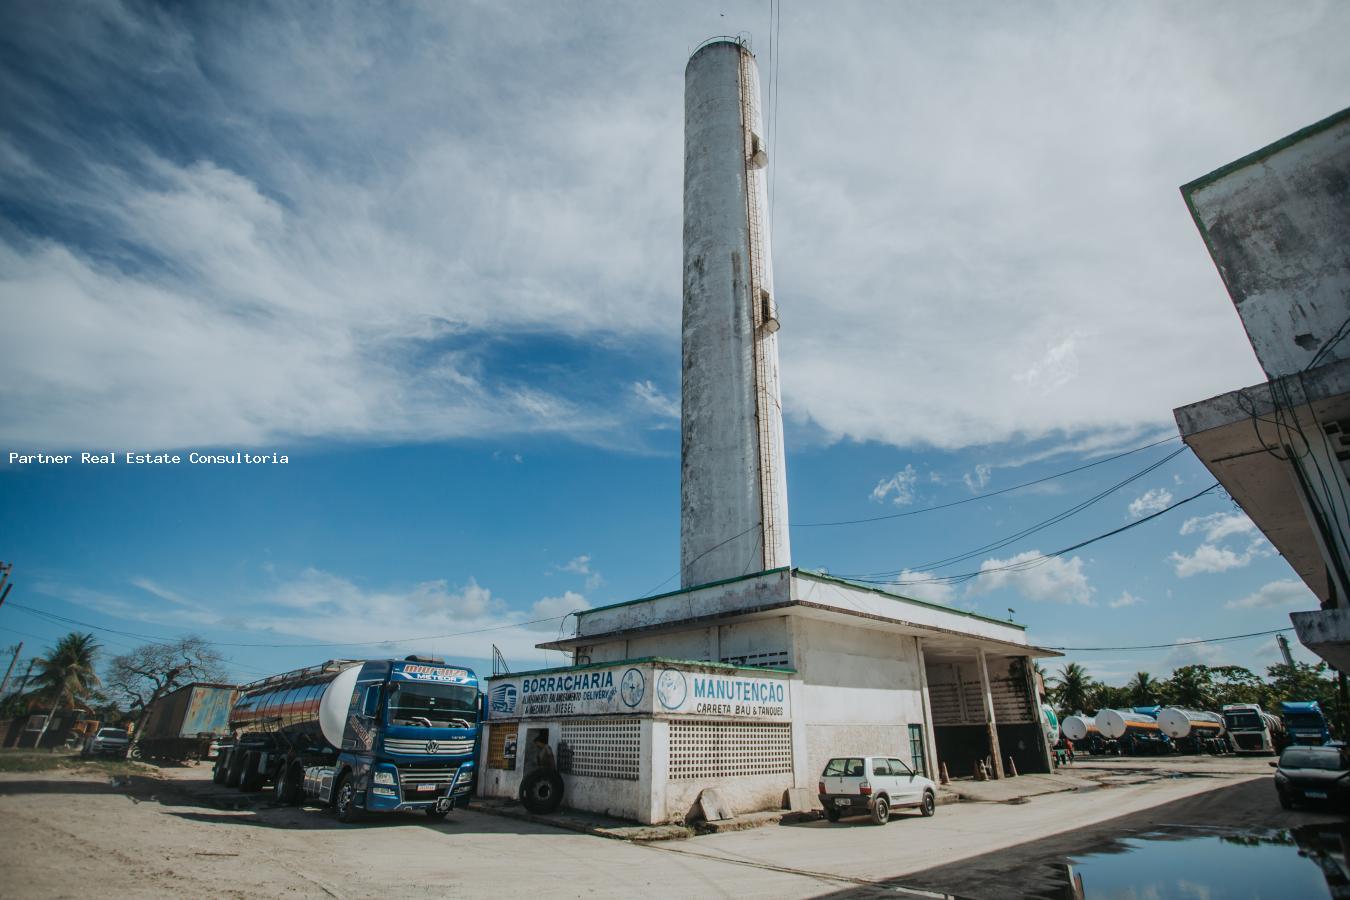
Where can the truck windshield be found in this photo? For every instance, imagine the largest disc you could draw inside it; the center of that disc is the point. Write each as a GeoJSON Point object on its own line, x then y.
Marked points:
{"type": "Point", "coordinates": [1303, 720]}
{"type": "Point", "coordinates": [433, 705]}
{"type": "Point", "coordinates": [1244, 721]}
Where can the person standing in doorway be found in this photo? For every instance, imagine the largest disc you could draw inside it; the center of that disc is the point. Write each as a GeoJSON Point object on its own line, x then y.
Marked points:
{"type": "Point", "coordinates": [541, 755]}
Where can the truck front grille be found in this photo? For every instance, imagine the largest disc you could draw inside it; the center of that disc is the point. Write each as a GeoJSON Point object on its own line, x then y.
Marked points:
{"type": "Point", "coordinates": [407, 775]}
{"type": "Point", "coordinates": [405, 747]}
{"type": "Point", "coordinates": [1247, 741]}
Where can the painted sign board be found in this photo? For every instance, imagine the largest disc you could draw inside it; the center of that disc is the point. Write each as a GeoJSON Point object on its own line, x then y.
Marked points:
{"type": "Point", "coordinates": [641, 688]}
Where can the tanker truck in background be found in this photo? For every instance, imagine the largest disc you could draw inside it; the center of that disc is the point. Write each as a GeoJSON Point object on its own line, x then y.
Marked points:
{"type": "Point", "coordinates": [1304, 722]}
{"type": "Point", "coordinates": [359, 735]}
{"type": "Point", "coordinates": [1194, 730]}
{"type": "Point", "coordinates": [1252, 730]}
{"type": "Point", "coordinates": [1132, 733]}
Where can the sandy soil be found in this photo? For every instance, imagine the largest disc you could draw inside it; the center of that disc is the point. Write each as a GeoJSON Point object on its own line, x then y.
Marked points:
{"type": "Point", "coordinates": [69, 834]}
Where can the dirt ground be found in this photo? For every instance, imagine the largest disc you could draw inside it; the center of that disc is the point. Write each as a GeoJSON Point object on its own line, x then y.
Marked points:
{"type": "Point", "coordinates": [67, 833]}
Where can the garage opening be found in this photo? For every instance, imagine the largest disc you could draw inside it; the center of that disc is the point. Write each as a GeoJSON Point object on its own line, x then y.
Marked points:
{"type": "Point", "coordinates": [960, 728]}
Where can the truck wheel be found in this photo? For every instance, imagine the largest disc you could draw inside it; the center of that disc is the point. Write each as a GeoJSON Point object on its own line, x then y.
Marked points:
{"type": "Point", "coordinates": [929, 804]}
{"type": "Point", "coordinates": [286, 788]}
{"type": "Point", "coordinates": [234, 768]}
{"type": "Point", "coordinates": [881, 811]}
{"type": "Point", "coordinates": [344, 801]}
{"type": "Point", "coordinates": [251, 779]}
{"type": "Point", "coordinates": [219, 770]}
{"type": "Point", "coordinates": [541, 791]}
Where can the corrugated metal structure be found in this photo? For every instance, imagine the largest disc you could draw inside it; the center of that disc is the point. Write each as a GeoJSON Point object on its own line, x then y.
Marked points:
{"type": "Point", "coordinates": [733, 482]}
{"type": "Point", "coordinates": [183, 723]}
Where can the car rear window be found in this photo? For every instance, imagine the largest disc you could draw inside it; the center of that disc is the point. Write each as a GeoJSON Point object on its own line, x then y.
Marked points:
{"type": "Point", "coordinates": [1311, 758]}
{"type": "Point", "coordinates": [845, 767]}
{"type": "Point", "coordinates": [112, 733]}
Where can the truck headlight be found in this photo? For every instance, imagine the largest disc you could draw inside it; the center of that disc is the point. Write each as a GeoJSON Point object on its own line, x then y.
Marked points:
{"type": "Point", "coordinates": [384, 778]}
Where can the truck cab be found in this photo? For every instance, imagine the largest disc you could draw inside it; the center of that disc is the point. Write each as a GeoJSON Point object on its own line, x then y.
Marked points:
{"type": "Point", "coordinates": [1305, 723]}
{"type": "Point", "coordinates": [1250, 728]}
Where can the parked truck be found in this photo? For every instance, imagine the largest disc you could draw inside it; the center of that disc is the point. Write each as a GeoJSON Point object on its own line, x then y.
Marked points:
{"type": "Point", "coordinates": [1304, 722]}
{"type": "Point", "coordinates": [185, 725]}
{"type": "Point", "coordinates": [359, 735]}
{"type": "Point", "coordinates": [1253, 730]}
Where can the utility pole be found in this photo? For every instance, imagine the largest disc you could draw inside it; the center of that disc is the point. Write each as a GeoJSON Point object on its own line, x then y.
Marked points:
{"type": "Point", "coordinates": [1284, 651]}
{"type": "Point", "coordinates": [5, 569]}
{"type": "Point", "coordinates": [9, 671]}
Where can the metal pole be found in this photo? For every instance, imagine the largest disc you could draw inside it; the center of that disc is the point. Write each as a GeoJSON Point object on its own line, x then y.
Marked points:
{"type": "Point", "coordinates": [9, 671]}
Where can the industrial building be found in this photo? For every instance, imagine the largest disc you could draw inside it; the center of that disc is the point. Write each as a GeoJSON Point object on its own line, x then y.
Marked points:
{"type": "Point", "coordinates": [754, 673]}
{"type": "Point", "coordinates": [1277, 224]}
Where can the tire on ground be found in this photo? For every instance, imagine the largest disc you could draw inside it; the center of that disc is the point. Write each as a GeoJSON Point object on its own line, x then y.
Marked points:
{"type": "Point", "coordinates": [251, 779]}
{"type": "Point", "coordinates": [541, 791]}
{"type": "Point", "coordinates": [881, 811]}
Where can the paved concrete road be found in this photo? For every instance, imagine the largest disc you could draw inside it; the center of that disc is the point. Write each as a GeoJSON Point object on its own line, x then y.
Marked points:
{"type": "Point", "coordinates": [64, 834]}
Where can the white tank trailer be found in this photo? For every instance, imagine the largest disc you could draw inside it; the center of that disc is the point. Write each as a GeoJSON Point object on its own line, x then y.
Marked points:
{"type": "Point", "coordinates": [1077, 728]}
{"type": "Point", "coordinates": [1179, 724]}
{"type": "Point", "coordinates": [1114, 724]}
{"type": "Point", "coordinates": [733, 482]}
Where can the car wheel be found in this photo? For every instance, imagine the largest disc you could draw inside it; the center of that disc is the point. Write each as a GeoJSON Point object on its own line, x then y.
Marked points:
{"type": "Point", "coordinates": [541, 791]}
{"type": "Point", "coordinates": [929, 804]}
{"type": "Point", "coordinates": [881, 811]}
{"type": "Point", "coordinates": [344, 801]}
{"type": "Point", "coordinates": [832, 814]}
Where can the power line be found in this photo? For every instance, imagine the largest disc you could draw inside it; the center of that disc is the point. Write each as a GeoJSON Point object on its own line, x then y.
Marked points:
{"type": "Point", "coordinates": [1037, 560]}
{"type": "Point", "coordinates": [1231, 637]}
{"type": "Point", "coordinates": [987, 494]}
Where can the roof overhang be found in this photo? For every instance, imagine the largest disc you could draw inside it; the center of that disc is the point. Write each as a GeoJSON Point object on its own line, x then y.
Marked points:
{"type": "Point", "coordinates": [1232, 437]}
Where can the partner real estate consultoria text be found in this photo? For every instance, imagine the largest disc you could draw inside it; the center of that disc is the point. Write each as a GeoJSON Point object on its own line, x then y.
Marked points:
{"type": "Point", "coordinates": [133, 458]}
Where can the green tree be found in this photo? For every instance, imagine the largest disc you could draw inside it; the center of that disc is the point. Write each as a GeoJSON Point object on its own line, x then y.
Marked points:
{"type": "Point", "coordinates": [1236, 684]}
{"type": "Point", "coordinates": [1300, 682]}
{"type": "Point", "coordinates": [1071, 689]}
{"type": "Point", "coordinates": [1191, 687]}
{"type": "Point", "coordinates": [1104, 696]}
{"type": "Point", "coordinates": [65, 675]}
{"type": "Point", "coordinates": [1143, 690]}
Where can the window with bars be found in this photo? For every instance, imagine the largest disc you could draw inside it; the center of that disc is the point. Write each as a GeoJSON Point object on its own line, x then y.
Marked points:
{"type": "Point", "coordinates": [602, 748]}
{"type": "Point", "coordinates": [502, 747]}
{"type": "Point", "coordinates": [918, 761]}
{"type": "Point", "coordinates": [702, 749]}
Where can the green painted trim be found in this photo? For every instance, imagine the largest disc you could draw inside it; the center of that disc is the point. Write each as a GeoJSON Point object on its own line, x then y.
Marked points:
{"type": "Point", "coordinates": [1266, 151]}
{"type": "Point", "coordinates": [697, 587]}
{"type": "Point", "coordinates": [892, 596]}
{"type": "Point", "coordinates": [643, 660]}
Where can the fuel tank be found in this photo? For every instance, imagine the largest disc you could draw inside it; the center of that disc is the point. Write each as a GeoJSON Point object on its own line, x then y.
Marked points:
{"type": "Point", "coordinates": [307, 707]}
{"type": "Point", "coordinates": [1181, 723]}
{"type": "Point", "coordinates": [1113, 723]}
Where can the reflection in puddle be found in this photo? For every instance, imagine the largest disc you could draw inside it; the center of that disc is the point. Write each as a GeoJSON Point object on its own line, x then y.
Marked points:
{"type": "Point", "coordinates": [1209, 864]}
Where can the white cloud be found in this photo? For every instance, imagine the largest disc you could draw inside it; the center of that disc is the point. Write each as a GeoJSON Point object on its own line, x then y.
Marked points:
{"type": "Point", "coordinates": [921, 586]}
{"type": "Point", "coordinates": [901, 484]}
{"type": "Point", "coordinates": [1150, 501]}
{"type": "Point", "coordinates": [1055, 579]}
{"type": "Point", "coordinates": [1210, 558]}
{"type": "Point", "coordinates": [1287, 592]}
{"type": "Point", "coordinates": [359, 203]}
{"type": "Point", "coordinates": [1193, 654]}
{"type": "Point", "coordinates": [651, 397]}
{"type": "Point", "coordinates": [977, 479]}
{"type": "Point", "coordinates": [1125, 599]}
{"type": "Point", "coordinates": [1217, 526]}
{"type": "Point", "coordinates": [551, 609]}
{"type": "Point", "coordinates": [581, 565]}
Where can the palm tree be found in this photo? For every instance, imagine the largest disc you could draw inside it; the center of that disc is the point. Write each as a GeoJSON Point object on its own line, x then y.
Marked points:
{"type": "Point", "coordinates": [1143, 689]}
{"type": "Point", "coordinates": [1071, 688]}
{"type": "Point", "coordinates": [66, 674]}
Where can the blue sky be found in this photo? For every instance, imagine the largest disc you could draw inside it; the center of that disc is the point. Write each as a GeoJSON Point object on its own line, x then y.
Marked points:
{"type": "Point", "coordinates": [432, 255]}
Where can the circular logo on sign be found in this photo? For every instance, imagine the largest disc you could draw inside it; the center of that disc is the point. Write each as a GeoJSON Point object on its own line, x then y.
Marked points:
{"type": "Point", "coordinates": [631, 687]}
{"type": "Point", "coordinates": [671, 689]}
{"type": "Point", "coordinates": [432, 746]}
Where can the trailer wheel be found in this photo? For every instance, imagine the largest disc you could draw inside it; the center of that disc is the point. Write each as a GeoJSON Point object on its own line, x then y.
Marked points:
{"type": "Point", "coordinates": [251, 779]}
{"type": "Point", "coordinates": [344, 801]}
{"type": "Point", "coordinates": [220, 769]}
{"type": "Point", "coordinates": [541, 791]}
{"type": "Point", "coordinates": [234, 768]}
{"type": "Point", "coordinates": [286, 788]}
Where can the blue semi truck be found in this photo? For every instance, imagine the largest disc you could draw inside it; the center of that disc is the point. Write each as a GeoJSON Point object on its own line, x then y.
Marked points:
{"type": "Point", "coordinates": [376, 735]}
{"type": "Point", "coordinates": [1304, 722]}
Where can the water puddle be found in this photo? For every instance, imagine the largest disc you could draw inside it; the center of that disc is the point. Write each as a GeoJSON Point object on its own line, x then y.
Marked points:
{"type": "Point", "coordinates": [1214, 864]}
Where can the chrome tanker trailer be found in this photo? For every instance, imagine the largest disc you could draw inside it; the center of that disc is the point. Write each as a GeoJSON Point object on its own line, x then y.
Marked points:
{"type": "Point", "coordinates": [362, 735]}
{"type": "Point", "coordinates": [1133, 733]}
{"type": "Point", "coordinates": [1193, 729]}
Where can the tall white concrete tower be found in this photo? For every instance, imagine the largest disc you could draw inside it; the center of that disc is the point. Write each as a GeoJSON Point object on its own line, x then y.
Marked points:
{"type": "Point", "coordinates": [733, 481]}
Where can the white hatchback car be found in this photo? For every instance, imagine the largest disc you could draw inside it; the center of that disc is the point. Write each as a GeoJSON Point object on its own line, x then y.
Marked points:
{"type": "Point", "coordinates": [853, 785]}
